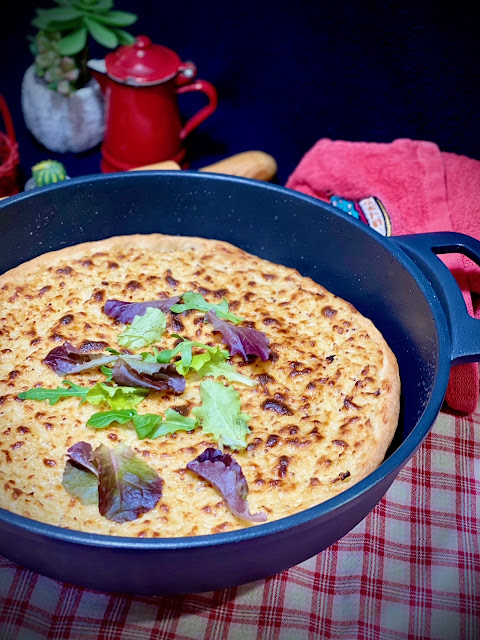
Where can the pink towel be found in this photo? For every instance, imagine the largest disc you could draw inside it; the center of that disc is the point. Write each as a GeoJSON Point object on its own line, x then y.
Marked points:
{"type": "Point", "coordinates": [407, 186]}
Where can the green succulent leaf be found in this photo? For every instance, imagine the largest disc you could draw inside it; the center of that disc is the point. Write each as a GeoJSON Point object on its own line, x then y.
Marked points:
{"type": "Point", "coordinates": [61, 14]}
{"type": "Point", "coordinates": [73, 43]}
{"type": "Point", "coordinates": [124, 37]}
{"type": "Point", "coordinates": [117, 18]}
{"type": "Point", "coordinates": [40, 22]}
{"type": "Point", "coordinates": [97, 6]}
{"type": "Point", "coordinates": [102, 34]}
{"type": "Point", "coordinates": [64, 27]}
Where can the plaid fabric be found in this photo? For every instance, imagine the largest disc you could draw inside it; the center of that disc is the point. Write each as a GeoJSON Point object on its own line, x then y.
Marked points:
{"type": "Point", "coordinates": [410, 570]}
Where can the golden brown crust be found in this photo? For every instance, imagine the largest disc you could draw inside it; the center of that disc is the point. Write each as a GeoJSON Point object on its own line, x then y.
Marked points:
{"type": "Point", "coordinates": [323, 414]}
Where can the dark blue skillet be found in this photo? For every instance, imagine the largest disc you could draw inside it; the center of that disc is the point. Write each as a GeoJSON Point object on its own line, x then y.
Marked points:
{"type": "Point", "coordinates": [399, 283]}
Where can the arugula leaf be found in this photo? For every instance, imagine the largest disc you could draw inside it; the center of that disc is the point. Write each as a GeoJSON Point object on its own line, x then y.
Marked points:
{"type": "Point", "coordinates": [145, 423]}
{"type": "Point", "coordinates": [113, 351]}
{"type": "Point", "coordinates": [107, 371]}
{"type": "Point", "coordinates": [54, 395]}
{"type": "Point", "coordinates": [220, 414]}
{"type": "Point", "coordinates": [144, 330]}
{"type": "Point", "coordinates": [150, 425]}
{"type": "Point", "coordinates": [118, 398]}
{"type": "Point", "coordinates": [196, 301]}
{"type": "Point", "coordinates": [173, 422]}
{"type": "Point", "coordinates": [103, 419]}
{"type": "Point", "coordinates": [151, 357]}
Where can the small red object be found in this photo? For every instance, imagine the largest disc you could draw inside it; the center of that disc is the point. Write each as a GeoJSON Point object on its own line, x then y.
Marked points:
{"type": "Point", "coordinates": [9, 157]}
{"type": "Point", "coordinates": [143, 123]}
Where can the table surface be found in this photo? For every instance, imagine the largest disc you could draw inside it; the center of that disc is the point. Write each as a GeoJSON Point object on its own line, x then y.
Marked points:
{"type": "Point", "coordinates": [409, 571]}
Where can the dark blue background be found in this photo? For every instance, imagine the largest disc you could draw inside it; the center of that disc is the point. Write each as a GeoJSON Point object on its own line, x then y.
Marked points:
{"type": "Point", "coordinates": [290, 73]}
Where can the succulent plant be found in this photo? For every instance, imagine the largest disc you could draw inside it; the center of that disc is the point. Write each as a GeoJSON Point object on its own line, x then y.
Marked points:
{"type": "Point", "coordinates": [61, 73]}
{"type": "Point", "coordinates": [60, 46]}
{"type": "Point", "coordinates": [48, 172]}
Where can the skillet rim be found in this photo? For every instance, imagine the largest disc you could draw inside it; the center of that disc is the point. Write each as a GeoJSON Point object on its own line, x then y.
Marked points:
{"type": "Point", "coordinates": [389, 467]}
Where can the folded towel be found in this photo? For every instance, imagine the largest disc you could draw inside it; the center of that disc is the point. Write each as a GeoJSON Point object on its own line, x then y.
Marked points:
{"type": "Point", "coordinates": [407, 186]}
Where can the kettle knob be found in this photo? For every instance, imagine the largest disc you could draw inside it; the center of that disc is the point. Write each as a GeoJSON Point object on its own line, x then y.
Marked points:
{"type": "Point", "coordinates": [142, 42]}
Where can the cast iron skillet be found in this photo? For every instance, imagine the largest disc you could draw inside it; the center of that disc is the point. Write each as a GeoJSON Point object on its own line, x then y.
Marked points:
{"type": "Point", "coordinates": [399, 283]}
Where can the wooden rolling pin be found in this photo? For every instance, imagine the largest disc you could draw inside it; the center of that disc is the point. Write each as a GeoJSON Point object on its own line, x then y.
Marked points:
{"type": "Point", "coordinates": [249, 164]}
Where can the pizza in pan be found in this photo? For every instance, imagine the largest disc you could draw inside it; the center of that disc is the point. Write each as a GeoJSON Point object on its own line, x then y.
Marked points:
{"type": "Point", "coordinates": [157, 386]}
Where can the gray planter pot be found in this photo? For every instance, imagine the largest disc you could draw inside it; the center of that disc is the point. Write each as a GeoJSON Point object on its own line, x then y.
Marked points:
{"type": "Point", "coordinates": [63, 123]}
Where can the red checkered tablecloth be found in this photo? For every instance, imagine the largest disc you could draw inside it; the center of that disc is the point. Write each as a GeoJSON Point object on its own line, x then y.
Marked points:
{"type": "Point", "coordinates": [409, 570]}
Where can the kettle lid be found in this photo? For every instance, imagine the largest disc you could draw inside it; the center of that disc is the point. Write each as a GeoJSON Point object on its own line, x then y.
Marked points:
{"type": "Point", "coordinates": [142, 63]}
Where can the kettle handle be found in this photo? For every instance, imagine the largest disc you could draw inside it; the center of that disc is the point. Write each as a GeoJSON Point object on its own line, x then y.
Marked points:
{"type": "Point", "coordinates": [200, 116]}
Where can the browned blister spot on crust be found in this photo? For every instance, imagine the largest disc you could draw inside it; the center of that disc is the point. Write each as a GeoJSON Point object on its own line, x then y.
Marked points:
{"type": "Point", "coordinates": [278, 407]}
{"type": "Point", "coordinates": [316, 412]}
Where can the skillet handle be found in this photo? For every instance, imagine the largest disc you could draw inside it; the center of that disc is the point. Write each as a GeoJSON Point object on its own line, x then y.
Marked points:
{"type": "Point", "coordinates": [422, 249]}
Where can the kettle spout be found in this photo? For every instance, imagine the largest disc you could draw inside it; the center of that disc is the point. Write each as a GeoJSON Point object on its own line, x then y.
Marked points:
{"type": "Point", "coordinates": [98, 70]}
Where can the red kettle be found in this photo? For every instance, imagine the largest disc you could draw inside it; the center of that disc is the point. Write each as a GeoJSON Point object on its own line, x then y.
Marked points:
{"type": "Point", "coordinates": [143, 125]}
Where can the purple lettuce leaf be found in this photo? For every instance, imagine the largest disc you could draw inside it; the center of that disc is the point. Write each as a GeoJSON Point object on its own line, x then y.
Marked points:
{"type": "Point", "coordinates": [127, 486]}
{"type": "Point", "coordinates": [129, 372]}
{"type": "Point", "coordinates": [126, 311]}
{"type": "Point", "coordinates": [80, 474]}
{"type": "Point", "coordinates": [226, 475]}
{"type": "Point", "coordinates": [69, 359]}
{"type": "Point", "coordinates": [242, 340]}
{"type": "Point", "coordinates": [81, 454]}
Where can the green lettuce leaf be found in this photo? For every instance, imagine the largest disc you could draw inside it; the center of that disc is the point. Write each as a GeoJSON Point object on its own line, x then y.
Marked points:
{"type": "Point", "coordinates": [127, 486]}
{"type": "Point", "coordinates": [144, 330]}
{"type": "Point", "coordinates": [211, 363]}
{"type": "Point", "coordinates": [216, 366]}
{"type": "Point", "coordinates": [196, 301]}
{"type": "Point", "coordinates": [80, 483]}
{"type": "Point", "coordinates": [104, 419]}
{"type": "Point", "coordinates": [220, 414]}
{"type": "Point", "coordinates": [187, 360]}
{"type": "Point", "coordinates": [54, 395]}
{"type": "Point", "coordinates": [118, 398]}
{"type": "Point", "coordinates": [122, 485]}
